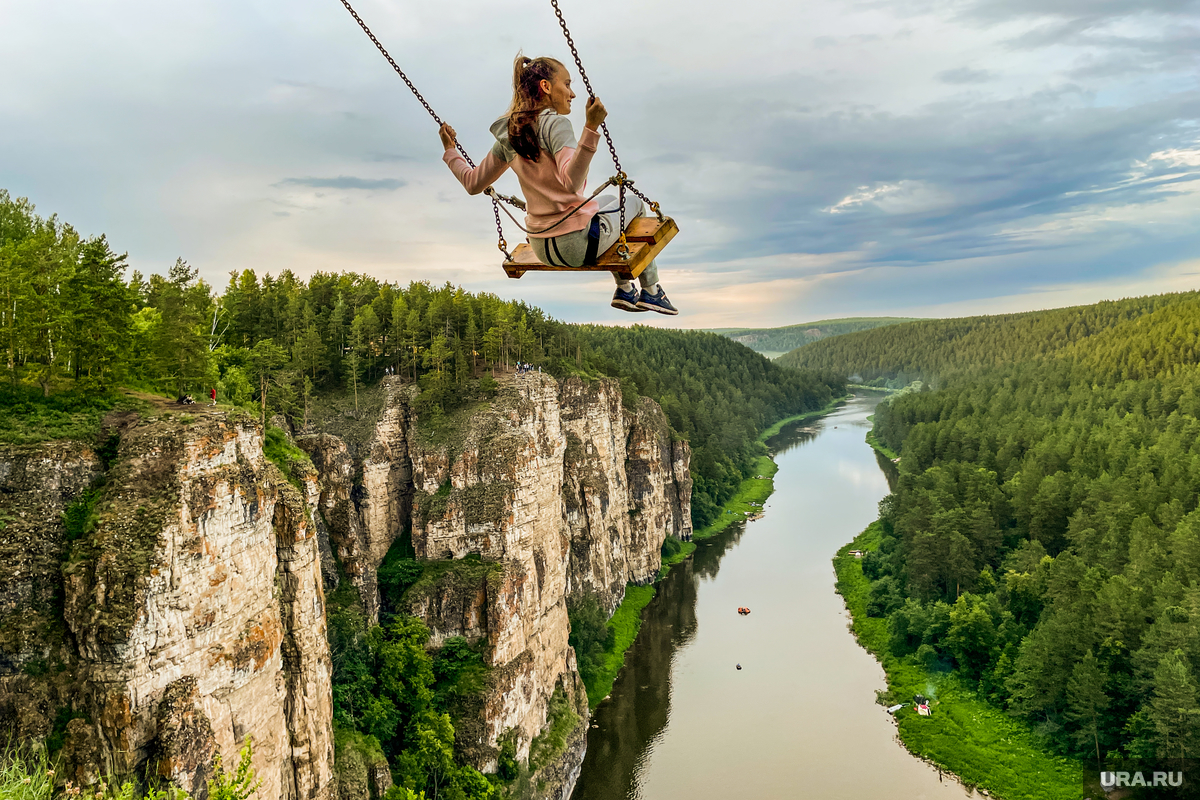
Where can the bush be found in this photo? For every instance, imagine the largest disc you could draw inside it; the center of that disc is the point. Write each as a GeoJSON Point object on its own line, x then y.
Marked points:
{"type": "Point", "coordinates": [291, 460]}
{"type": "Point", "coordinates": [398, 572]}
{"type": "Point", "coordinates": [459, 672]}
{"type": "Point", "coordinates": [907, 626]}
{"type": "Point", "coordinates": [80, 517]}
{"type": "Point", "coordinates": [885, 597]}
{"type": "Point", "coordinates": [561, 719]}
{"type": "Point", "coordinates": [875, 565]}
{"type": "Point", "coordinates": [590, 635]}
{"type": "Point", "coordinates": [671, 547]}
{"type": "Point", "coordinates": [236, 785]}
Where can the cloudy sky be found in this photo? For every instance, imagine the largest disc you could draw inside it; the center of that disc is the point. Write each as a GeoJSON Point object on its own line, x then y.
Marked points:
{"type": "Point", "coordinates": [826, 158]}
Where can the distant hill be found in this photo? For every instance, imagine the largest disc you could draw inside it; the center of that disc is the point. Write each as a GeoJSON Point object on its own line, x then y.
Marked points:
{"type": "Point", "coordinates": [929, 349]}
{"type": "Point", "coordinates": [774, 342]}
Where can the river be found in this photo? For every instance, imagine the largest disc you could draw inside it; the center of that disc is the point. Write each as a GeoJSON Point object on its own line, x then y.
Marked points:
{"type": "Point", "coordinates": [799, 719]}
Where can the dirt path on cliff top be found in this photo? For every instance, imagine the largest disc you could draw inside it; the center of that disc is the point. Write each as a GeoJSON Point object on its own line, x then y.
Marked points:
{"type": "Point", "coordinates": [160, 403]}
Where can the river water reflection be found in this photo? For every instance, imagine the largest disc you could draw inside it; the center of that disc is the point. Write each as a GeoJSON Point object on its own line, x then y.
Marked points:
{"type": "Point", "coordinates": [799, 719]}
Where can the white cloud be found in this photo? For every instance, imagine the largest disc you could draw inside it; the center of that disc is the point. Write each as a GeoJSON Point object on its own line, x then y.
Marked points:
{"type": "Point", "coordinates": [902, 197]}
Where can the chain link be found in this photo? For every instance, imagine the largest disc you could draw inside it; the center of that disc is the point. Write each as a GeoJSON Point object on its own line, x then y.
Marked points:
{"type": "Point", "coordinates": [621, 179]}
{"type": "Point", "coordinates": [503, 245]}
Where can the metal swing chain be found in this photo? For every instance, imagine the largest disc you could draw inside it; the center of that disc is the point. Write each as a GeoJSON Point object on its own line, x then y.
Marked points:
{"type": "Point", "coordinates": [490, 192]}
{"type": "Point", "coordinates": [621, 179]}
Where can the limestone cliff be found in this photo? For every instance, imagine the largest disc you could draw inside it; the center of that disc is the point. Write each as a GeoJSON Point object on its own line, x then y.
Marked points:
{"type": "Point", "coordinates": [186, 615]}
{"type": "Point", "coordinates": [556, 485]}
{"type": "Point", "coordinates": [162, 591]}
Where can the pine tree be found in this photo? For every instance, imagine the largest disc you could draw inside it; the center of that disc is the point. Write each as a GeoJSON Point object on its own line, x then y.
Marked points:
{"type": "Point", "coordinates": [1173, 711]}
{"type": "Point", "coordinates": [97, 316]}
{"type": "Point", "coordinates": [1086, 701]}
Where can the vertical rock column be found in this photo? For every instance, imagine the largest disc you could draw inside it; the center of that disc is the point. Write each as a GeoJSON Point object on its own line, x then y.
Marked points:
{"type": "Point", "coordinates": [497, 492]}
{"type": "Point", "coordinates": [595, 491]}
{"type": "Point", "coordinates": [365, 494]}
{"type": "Point", "coordinates": [307, 668]}
{"type": "Point", "coordinates": [183, 611]}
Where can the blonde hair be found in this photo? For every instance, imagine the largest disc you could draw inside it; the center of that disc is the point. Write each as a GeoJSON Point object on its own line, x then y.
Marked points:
{"type": "Point", "coordinates": [528, 101]}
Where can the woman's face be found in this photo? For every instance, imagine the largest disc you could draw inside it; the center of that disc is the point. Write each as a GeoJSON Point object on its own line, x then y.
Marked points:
{"type": "Point", "coordinates": [559, 91]}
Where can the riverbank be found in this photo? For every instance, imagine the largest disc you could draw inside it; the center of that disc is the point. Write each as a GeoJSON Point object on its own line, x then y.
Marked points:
{"type": "Point", "coordinates": [755, 490]}
{"type": "Point", "coordinates": [625, 623]}
{"type": "Point", "coordinates": [751, 494]}
{"type": "Point", "coordinates": [879, 447]}
{"type": "Point", "coordinates": [967, 736]}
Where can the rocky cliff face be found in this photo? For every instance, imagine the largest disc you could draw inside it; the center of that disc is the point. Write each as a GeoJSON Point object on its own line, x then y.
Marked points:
{"type": "Point", "coordinates": [556, 485]}
{"type": "Point", "coordinates": [37, 485]}
{"type": "Point", "coordinates": [162, 596]}
{"type": "Point", "coordinates": [187, 614]}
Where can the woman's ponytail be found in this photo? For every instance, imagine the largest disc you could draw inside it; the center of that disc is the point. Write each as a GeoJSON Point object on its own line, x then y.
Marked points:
{"type": "Point", "coordinates": [528, 101]}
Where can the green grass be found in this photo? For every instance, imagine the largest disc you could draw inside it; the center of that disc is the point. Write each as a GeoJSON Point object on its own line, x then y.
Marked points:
{"type": "Point", "coordinates": [548, 745]}
{"type": "Point", "coordinates": [966, 735]}
{"type": "Point", "coordinates": [25, 774]}
{"type": "Point", "coordinates": [291, 460]}
{"type": "Point", "coordinates": [625, 624]}
{"type": "Point", "coordinates": [891, 454]}
{"type": "Point", "coordinates": [685, 550]}
{"type": "Point", "coordinates": [28, 418]}
{"type": "Point", "coordinates": [752, 490]}
{"type": "Point", "coordinates": [778, 426]}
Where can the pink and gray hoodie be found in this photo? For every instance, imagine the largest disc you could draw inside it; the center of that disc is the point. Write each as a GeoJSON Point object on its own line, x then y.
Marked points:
{"type": "Point", "coordinates": [552, 186]}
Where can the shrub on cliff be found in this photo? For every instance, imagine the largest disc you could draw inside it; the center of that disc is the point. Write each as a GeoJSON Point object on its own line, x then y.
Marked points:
{"type": "Point", "coordinates": [291, 460]}
{"type": "Point", "coordinates": [28, 774]}
{"type": "Point", "coordinates": [385, 686]}
{"type": "Point", "coordinates": [239, 784]}
{"type": "Point", "coordinates": [590, 635]}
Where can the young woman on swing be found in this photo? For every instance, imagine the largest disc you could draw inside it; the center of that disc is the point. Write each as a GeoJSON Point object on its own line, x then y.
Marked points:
{"type": "Point", "coordinates": [536, 139]}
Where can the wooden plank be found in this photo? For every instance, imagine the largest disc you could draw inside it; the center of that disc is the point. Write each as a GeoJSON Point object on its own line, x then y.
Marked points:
{"type": "Point", "coordinates": [650, 230]}
{"type": "Point", "coordinates": [640, 254]}
{"type": "Point", "coordinates": [646, 236]}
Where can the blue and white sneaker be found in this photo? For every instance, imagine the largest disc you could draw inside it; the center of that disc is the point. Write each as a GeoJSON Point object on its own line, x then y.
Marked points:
{"type": "Point", "coordinates": [626, 301]}
{"type": "Point", "coordinates": [656, 302]}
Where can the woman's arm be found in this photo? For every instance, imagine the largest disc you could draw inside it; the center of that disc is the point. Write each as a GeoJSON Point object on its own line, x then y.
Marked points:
{"type": "Point", "coordinates": [573, 163]}
{"type": "Point", "coordinates": [473, 180]}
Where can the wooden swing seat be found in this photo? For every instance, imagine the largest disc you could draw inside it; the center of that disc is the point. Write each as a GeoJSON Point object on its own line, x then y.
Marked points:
{"type": "Point", "coordinates": [646, 237]}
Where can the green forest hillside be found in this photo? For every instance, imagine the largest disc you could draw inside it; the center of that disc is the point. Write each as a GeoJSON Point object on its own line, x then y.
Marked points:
{"type": "Point", "coordinates": [927, 349]}
{"type": "Point", "coordinates": [773, 342]}
{"type": "Point", "coordinates": [1043, 539]}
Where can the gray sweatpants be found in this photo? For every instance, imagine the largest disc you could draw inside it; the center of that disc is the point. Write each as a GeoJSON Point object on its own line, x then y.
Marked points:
{"type": "Point", "coordinates": [570, 249]}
